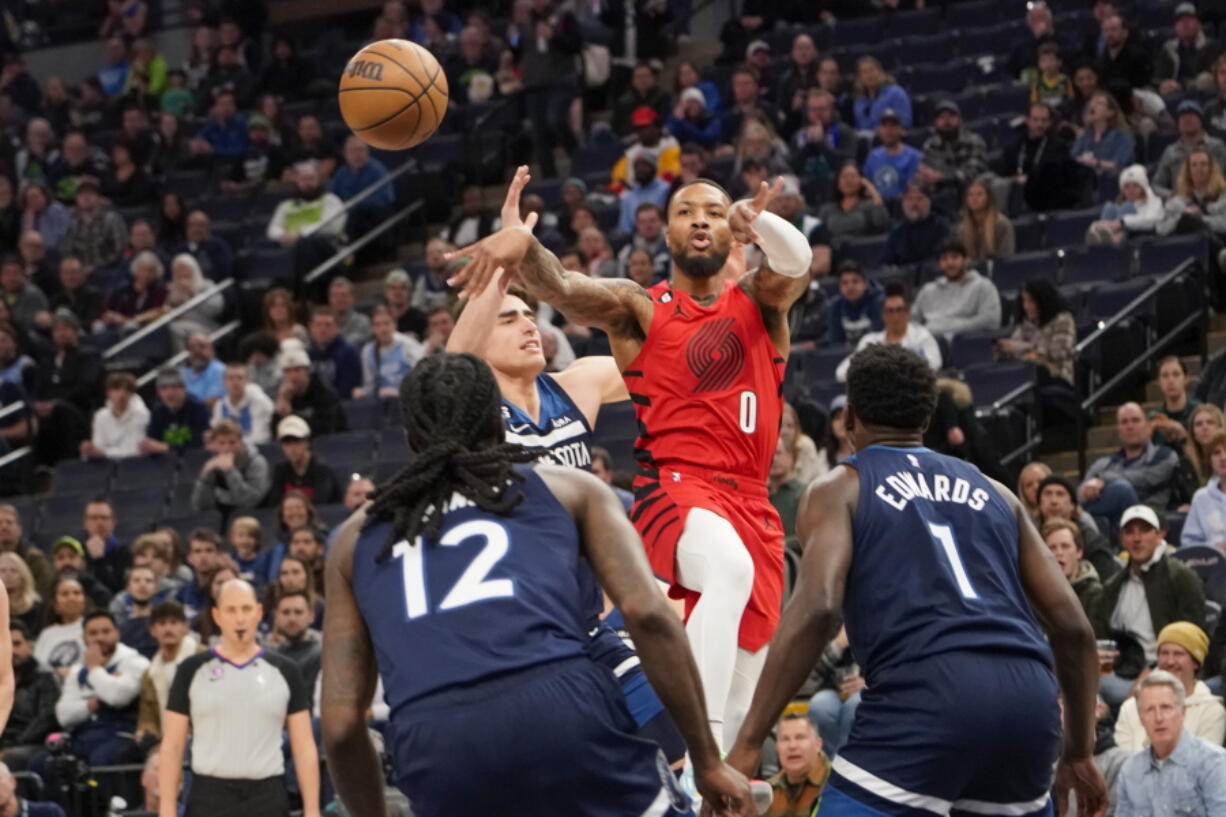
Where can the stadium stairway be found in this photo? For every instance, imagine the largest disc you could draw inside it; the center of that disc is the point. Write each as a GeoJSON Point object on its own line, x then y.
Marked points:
{"type": "Point", "coordinates": [1101, 438]}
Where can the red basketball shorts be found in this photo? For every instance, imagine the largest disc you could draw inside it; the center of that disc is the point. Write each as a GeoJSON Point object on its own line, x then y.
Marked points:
{"type": "Point", "coordinates": [660, 508]}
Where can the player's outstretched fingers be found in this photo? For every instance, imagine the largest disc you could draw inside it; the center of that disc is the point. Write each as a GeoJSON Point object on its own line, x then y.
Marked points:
{"type": "Point", "coordinates": [510, 205]}
{"type": "Point", "coordinates": [765, 194]}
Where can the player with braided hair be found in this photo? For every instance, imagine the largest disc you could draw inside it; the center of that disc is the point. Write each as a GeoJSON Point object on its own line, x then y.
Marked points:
{"type": "Point", "coordinates": [459, 584]}
{"type": "Point", "coordinates": [458, 391]}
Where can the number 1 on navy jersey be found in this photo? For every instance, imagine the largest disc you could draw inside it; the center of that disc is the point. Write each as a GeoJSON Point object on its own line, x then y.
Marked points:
{"type": "Point", "coordinates": [473, 585]}
{"type": "Point", "coordinates": [944, 535]}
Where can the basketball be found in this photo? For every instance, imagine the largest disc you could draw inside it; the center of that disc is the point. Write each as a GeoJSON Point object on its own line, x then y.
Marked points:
{"type": "Point", "coordinates": [393, 94]}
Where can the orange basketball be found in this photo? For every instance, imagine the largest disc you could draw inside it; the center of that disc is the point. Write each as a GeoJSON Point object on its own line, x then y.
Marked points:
{"type": "Point", "coordinates": [393, 94]}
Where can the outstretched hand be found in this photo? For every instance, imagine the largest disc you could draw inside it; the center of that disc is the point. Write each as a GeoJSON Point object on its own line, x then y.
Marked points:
{"type": "Point", "coordinates": [504, 250]}
{"type": "Point", "coordinates": [742, 213]}
{"type": "Point", "coordinates": [510, 215]}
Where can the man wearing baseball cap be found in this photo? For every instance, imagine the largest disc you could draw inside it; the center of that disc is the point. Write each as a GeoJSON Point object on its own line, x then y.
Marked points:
{"type": "Point", "coordinates": [1190, 119]}
{"type": "Point", "coordinates": [644, 90]}
{"type": "Point", "coordinates": [1154, 591]}
{"type": "Point", "coordinates": [953, 155]}
{"type": "Point", "coordinates": [304, 394]}
{"type": "Point", "coordinates": [650, 140]}
{"type": "Point", "coordinates": [891, 165]}
{"type": "Point", "coordinates": [301, 471]}
{"type": "Point", "coordinates": [1182, 647]}
{"type": "Point", "coordinates": [1185, 62]}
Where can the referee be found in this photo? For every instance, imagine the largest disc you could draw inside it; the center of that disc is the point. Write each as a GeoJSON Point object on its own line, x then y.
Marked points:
{"type": "Point", "coordinates": [237, 700]}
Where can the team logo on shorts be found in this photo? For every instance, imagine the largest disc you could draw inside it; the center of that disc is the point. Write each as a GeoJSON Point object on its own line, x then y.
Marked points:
{"type": "Point", "coordinates": [715, 355]}
{"type": "Point", "coordinates": [679, 800]}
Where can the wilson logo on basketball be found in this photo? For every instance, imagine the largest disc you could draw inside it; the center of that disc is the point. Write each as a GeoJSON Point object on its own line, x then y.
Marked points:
{"type": "Point", "coordinates": [366, 70]}
{"type": "Point", "coordinates": [715, 355]}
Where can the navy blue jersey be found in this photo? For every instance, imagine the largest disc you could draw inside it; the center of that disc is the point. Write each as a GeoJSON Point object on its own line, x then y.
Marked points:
{"type": "Point", "coordinates": [562, 432]}
{"type": "Point", "coordinates": [934, 564]}
{"type": "Point", "coordinates": [492, 595]}
{"type": "Point", "coordinates": [564, 438]}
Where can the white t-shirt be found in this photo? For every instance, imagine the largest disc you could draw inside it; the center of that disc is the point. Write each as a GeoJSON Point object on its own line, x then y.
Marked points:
{"type": "Point", "coordinates": [60, 645]}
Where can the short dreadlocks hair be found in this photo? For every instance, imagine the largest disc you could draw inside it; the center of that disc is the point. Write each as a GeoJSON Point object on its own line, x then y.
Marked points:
{"type": "Point", "coordinates": [452, 410]}
{"type": "Point", "coordinates": [890, 386]}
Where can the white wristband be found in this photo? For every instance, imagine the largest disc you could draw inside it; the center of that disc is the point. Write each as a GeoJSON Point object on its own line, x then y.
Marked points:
{"type": "Point", "coordinates": [787, 249]}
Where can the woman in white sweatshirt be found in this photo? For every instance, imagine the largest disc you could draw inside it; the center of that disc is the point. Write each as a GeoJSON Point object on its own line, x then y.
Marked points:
{"type": "Point", "coordinates": [119, 426]}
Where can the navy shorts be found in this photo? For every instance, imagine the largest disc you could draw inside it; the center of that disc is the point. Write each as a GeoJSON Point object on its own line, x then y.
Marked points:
{"type": "Point", "coordinates": [552, 740]}
{"type": "Point", "coordinates": [652, 720]}
{"type": "Point", "coordinates": [958, 733]}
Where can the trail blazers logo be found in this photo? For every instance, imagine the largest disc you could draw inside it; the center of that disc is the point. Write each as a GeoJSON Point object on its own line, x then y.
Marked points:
{"type": "Point", "coordinates": [715, 355]}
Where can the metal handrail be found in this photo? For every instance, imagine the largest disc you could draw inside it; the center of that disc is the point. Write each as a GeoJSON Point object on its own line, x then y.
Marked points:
{"type": "Point", "coordinates": [15, 455]}
{"type": "Point", "coordinates": [1155, 347]}
{"type": "Point", "coordinates": [368, 191]}
{"type": "Point", "coordinates": [180, 310]}
{"type": "Point", "coordinates": [177, 359]}
{"type": "Point", "coordinates": [351, 248]}
{"type": "Point", "coordinates": [1132, 305]}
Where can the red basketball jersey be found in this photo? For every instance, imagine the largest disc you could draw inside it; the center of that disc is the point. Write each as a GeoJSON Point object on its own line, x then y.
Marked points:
{"type": "Point", "coordinates": [707, 385]}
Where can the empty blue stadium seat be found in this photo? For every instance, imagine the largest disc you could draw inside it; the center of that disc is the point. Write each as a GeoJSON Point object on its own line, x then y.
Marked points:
{"type": "Point", "coordinates": [333, 516]}
{"type": "Point", "coordinates": [869, 252]}
{"type": "Point", "coordinates": [993, 381]}
{"type": "Point", "coordinates": [1161, 255]}
{"type": "Point", "coordinates": [81, 477]}
{"type": "Point", "coordinates": [155, 471]}
{"type": "Point", "coordinates": [1011, 273]}
{"type": "Point", "coordinates": [915, 47]}
{"type": "Point", "coordinates": [917, 21]}
{"type": "Point", "coordinates": [972, 349]}
{"type": "Point", "coordinates": [936, 78]}
{"type": "Point", "coordinates": [362, 414]}
{"type": "Point", "coordinates": [816, 365]}
{"type": "Point", "coordinates": [978, 14]}
{"type": "Point", "coordinates": [266, 262]}
{"type": "Point", "coordinates": [1106, 300]}
{"type": "Point", "coordinates": [1068, 228]}
{"type": "Point", "coordinates": [1096, 264]}
{"type": "Point", "coordinates": [1028, 233]}
{"type": "Point", "coordinates": [1008, 99]}
{"type": "Point", "coordinates": [863, 31]}
{"type": "Point", "coordinates": [994, 39]}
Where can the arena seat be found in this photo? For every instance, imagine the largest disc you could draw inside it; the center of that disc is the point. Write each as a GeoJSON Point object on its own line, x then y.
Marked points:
{"type": "Point", "coordinates": [1105, 301]}
{"type": "Point", "coordinates": [868, 252]}
{"type": "Point", "coordinates": [82, 477]}
{"type": "Point", "coordinates": [1068, 227]}
{"type": "Point", "coordinates": [1096, 264]}
{"type": "Point", "coordinates": [1028, 233]}
{"type": "Point", "coordinates": [1011, 273]}
{"type": "Point", "coordinates": [1161, 255]}
{"type": "Point", "coordinates": [991, 382]}
{"type": "Point", "coordinates": [363, 414]}
{"type": "Point", "coordinates": [155, 471]}
{"type": "Point", "coordinates": [971, 349]}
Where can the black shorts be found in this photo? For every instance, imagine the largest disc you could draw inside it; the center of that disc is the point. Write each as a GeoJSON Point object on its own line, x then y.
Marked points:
{"type": "Point", "coordinates": [236, 797]}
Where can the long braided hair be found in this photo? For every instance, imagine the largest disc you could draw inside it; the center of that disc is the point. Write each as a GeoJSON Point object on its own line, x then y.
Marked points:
{"type": "Point", "coordinates": [452, 410]}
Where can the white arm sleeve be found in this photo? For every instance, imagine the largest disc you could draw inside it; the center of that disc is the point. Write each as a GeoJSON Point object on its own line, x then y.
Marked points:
{"type": "Point", "coordinates": [786, 248]}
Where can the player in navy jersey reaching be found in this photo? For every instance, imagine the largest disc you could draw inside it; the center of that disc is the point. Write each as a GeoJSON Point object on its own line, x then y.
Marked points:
{"type": "Point", "coordinates": [945, 588]}
{"type": "Point", "coordinates": [460, 584]}
{"type": "Point", "coordinates": [555, 414]}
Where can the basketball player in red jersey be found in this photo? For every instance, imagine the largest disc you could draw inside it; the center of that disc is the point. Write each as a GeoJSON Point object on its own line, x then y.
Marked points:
{"type": "Point", "coordinates": [703, 358]}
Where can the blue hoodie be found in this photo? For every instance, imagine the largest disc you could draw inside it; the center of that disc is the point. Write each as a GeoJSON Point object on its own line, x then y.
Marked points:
{"type": "Point", "coordinates": [851, 320]}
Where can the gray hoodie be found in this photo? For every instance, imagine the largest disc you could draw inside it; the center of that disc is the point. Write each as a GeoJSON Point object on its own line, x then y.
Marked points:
{"type": "Point", "coordinates": [1206, 523]}
{"type": "Point", "coordinates": [242, 486]}
{"type": "Point", "coordinates": [951, 307]}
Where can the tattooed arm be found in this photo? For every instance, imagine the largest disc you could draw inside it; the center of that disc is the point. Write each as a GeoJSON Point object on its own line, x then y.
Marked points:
{"type": "Point", "coordinates": [619, 306]}
{"type": "Point", "coordinates": [349, 676]}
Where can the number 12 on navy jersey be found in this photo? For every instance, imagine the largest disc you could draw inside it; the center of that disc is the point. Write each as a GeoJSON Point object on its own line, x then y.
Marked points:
{"type": "Point", "coordinates": [474, 584]}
